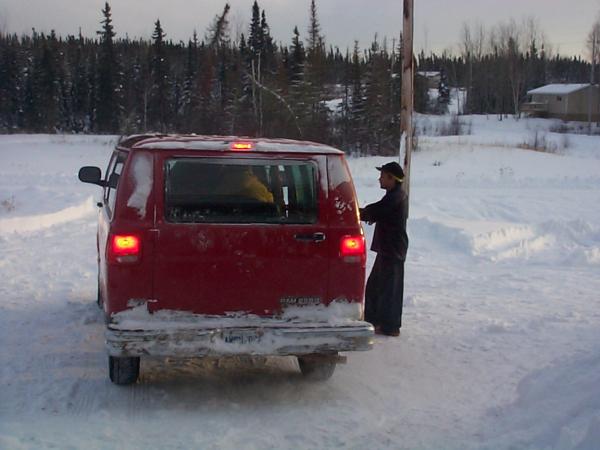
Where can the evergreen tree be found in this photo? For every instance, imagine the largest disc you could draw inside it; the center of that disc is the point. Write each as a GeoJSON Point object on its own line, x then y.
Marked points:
{"type": "Point", "coordinates": [255, 38]}
{"type": "Point", "coordinates": [316, 123]}
{"type": "Point", "coordinates": [377, 87]}
{"type": "Point", "coordinates": [357, 105]}
{"type": "Point", "coordinates": [80, 88]}
{"type": "Point", "coordinates": [9, 86]}
{"type": "Point", "coordinates": [268, 48]}
{"type": "Point", "coordinates": [297, 61]}
{"type": "Point", "coordinates": [315, 39]}
{"type": "Point", "coordinates": [190, 86]}
{"type": "Point", "coordinates": [159, 107]}
{"type": "Point", "coordinates": [443, 94]}
{"type": "Point", "coordinates": [44, 95]}
{"type": "Point", "coordinates": [48, 84]}
{"type": "Point", "coordinates": [108, 109]}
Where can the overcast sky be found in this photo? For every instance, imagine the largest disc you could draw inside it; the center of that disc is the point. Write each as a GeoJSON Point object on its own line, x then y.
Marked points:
{"type": "Point", "coordinates": [437, 22]}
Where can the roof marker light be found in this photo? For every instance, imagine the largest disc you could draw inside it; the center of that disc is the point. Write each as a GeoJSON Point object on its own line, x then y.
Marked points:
{"type": "Point", "coordinates": [242, 146]}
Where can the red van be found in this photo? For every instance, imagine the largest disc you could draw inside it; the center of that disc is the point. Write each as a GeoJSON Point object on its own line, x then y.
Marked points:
{"type": "Point", "coordinates": [216, 246]}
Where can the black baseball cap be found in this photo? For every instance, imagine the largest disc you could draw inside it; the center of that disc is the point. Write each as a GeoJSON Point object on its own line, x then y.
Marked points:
{"type": "Point", "coordinates": [394, 169]}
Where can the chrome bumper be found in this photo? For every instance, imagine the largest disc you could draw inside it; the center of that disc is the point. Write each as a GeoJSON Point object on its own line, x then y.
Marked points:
{"type": "Point", "coordinates": [292, 339]}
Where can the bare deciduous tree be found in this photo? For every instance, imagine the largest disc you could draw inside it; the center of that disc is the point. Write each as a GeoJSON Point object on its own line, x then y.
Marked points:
{"type": "Point", "coordinates": [593, 46]}
{"type": "Point", "coordinates": [3, 21]}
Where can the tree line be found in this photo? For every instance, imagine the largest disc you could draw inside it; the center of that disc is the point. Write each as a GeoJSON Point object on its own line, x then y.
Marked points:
{"type": "Point", "coordinates": [251, 85]}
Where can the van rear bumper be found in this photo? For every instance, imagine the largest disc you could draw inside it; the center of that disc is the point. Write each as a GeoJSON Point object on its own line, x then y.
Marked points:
{"type": "Point", "coordinates": [289, 339]}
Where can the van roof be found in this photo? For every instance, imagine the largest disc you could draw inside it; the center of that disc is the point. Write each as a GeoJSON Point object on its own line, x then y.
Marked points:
{"type": "Point", "coordinates": [222, 143]}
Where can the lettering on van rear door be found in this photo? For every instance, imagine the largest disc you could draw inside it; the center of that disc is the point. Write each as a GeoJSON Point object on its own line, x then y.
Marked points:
{"type": "Point", "coordinates": [300, 301]}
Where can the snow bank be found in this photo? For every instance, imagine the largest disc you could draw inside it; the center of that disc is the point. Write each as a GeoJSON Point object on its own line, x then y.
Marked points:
{"type": "Point", "coordinates": [557, 407]}
{"type": "Point", "coordinates": [442, 234]}
{"type": "Point", "coordinates": [29, 224]}
{"type": "Point", "coordinates": [554, 242]}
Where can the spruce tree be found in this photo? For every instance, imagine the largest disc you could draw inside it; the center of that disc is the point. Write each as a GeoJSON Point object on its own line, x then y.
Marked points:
{"type": "Point", "coordinates": [443, 94]}
{"type": "Point", "coordinates": [316, 125]}
{"type": "Point", "coordinates": [255, 38]}
{"type": "Point", "coordinates": [107, 112]}
{"type": "Point", "coordinates": [9, 86]}
{"type": "Point", "coordinates": [190, 86]}
{"type": "Point", "coordinates": [296, 91]}
{"type": "Point", "coordinates": [159, 107]}
{"type": "Point", "coordinates": [80, 86]}
{"type": "Point", "coordinates": [357, 104]}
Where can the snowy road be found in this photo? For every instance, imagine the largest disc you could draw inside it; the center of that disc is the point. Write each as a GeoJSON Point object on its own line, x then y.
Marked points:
{"type": "Point", "coordinates": [499, 347]}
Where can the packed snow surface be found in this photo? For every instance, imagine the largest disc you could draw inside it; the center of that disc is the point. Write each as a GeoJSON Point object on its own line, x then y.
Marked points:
{"type": "Point", "coordinates": [499, 346]}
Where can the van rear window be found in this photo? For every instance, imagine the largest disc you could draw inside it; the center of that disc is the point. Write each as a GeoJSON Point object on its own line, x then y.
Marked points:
{"type": "Point", "coordinates": [240, 191]}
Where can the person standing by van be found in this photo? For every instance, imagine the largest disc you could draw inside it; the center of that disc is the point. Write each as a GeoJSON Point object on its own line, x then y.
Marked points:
{"type": "Point", "coordinates": [385, 286]}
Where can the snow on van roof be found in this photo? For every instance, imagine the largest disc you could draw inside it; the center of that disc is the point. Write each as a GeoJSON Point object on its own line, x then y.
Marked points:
{"type": "Point", "coordinates": [558, 89]}
{"type": "Point", "coordinates": [223, 143]}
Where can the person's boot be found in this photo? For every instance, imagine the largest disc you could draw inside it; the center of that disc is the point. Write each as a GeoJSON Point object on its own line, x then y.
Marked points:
{"type": "Point", "coordinates": [384, 332]}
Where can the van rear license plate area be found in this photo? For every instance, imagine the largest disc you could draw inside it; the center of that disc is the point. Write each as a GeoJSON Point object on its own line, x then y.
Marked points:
{"type": "Point", "coordinates": [241, 336]}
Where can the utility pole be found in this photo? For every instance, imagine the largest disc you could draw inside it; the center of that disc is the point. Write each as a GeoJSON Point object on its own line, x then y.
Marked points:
{"type": "Point", "coordinates": [408, 76]}
{"type": "Point", "coordinates": [591, 88]}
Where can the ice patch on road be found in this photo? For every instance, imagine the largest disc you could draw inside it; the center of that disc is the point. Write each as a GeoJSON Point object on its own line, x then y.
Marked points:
{"type": "Point", "coordinates": [30, 224]}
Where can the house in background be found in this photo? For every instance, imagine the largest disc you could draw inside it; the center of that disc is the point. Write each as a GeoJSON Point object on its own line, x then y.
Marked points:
{"type": "Point", "coordinates": [563, 101]}
{"type": "Point", "coordinates": [433, 78]}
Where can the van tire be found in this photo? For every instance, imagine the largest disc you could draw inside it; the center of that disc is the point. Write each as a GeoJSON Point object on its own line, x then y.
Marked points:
{"type": "Point", "coordinates": [316, 369]}
{"type": "Point", "coordinates": [123, 370]}
{"type": "Point", "coordinates": [99, 298]}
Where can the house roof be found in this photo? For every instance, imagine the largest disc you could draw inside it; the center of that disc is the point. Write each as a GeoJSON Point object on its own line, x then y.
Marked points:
{"type": "Point", "coordinates": [429, 74]}
{"type": "Point", "coordinates": [558, 89]}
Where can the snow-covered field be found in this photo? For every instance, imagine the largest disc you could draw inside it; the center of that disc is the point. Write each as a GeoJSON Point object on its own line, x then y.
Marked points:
{"type": "Point", "coordinates": [499, 349]}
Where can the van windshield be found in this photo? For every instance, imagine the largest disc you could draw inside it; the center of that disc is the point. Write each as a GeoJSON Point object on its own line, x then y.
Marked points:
{"type": "Point", "coordinates": [240, 191]}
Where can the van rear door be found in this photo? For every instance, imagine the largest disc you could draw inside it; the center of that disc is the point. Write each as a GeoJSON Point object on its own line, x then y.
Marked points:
{"type": "Point", "coordinates": [240, 234]}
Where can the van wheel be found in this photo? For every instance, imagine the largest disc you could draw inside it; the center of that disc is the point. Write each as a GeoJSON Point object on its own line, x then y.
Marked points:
{"type": "Point", "coordinates": [99, 298]}
{"type": "Point", "coordinates": [316, 367]}
{"type": "Point", "coordinates": [123, 370]}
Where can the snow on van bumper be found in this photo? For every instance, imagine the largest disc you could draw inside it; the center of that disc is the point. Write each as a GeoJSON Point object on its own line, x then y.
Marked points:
{"type": "Point", "coordinates": [194, 335]}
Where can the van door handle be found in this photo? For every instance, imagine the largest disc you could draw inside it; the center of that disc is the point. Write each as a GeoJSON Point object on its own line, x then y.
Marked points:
{"type": "Point", "coordinates": [312, 237]}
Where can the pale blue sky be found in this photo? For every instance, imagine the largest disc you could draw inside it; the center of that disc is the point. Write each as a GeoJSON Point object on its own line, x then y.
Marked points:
{"type": "Point", "coordinates": [437, 22]}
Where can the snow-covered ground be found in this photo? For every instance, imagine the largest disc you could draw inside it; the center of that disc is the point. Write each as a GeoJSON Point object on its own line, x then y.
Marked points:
{"type": "Point", "coordinates": [499, 347]}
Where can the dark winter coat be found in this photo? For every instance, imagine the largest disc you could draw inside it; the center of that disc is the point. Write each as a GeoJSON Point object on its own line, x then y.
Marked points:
{"type": "Point", "coordinates": [389, 215]}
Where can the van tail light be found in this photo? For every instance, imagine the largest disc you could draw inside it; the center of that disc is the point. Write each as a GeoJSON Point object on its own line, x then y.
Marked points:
{"type": "Point", "coordinates": [352, 248]}
{"type": "Point", "coordinates": [239, 145]}
{"type": "Point", "coordinates": [124, 248]}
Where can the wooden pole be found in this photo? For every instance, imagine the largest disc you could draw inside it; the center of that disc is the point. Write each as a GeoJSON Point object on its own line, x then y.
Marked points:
{"type": "Point", "coordinates": [408, 76]}
{"type": "Point", "coordinates": [592, 79]}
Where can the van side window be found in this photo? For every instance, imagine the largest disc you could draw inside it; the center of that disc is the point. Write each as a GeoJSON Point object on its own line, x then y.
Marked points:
{"type": "Point", "coordinates": [240, 191]}
{"type": "Point", "coordinates": [115, 167]}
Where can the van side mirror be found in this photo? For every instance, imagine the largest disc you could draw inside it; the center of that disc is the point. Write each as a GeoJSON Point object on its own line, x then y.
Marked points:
{"type": "Point", "coordinates": [90, 174]}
